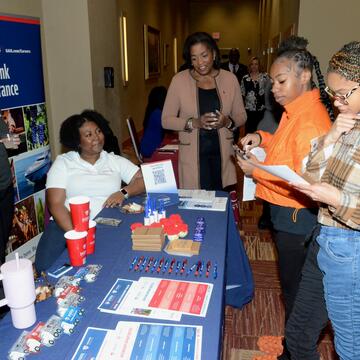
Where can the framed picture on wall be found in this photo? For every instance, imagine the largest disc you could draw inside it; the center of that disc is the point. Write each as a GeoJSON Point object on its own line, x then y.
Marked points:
{"type": "Point", "coordinates": [151, 52]}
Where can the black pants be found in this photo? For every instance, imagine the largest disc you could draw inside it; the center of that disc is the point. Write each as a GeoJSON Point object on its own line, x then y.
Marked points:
{"type": "Point", "coordinates": [309, 315]}
{"type": "Point", "coordinates": [292, 252]}
{"type": "Point", "coordinates": [6, 215]}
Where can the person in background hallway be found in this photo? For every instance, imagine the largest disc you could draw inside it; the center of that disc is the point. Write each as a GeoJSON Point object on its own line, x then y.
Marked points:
{"type": "Point", "coordinates": [153, 131]}
{"type": "Point", "coordinates": [253, 92]}
{"type": "Point", "coordinates": [239, 70]}
{"type": "Point", "coordinates": [204, 105]}
{"type": "Point", "coordinates": [85, 170]}
{"type": "Point", "coordinates": [331, 271]}
{"type": "Point", "coordinates": [304, 118]}
{"type": "Point", "coordinates": [234, 65]}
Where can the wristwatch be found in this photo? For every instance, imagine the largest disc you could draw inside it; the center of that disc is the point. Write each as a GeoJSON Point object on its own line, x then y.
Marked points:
{"type": "Point", "coordinates": [125, 193]}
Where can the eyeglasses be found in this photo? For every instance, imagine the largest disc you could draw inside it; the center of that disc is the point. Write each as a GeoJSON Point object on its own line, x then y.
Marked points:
{"type": "Point", "coordinates": [341, 98]}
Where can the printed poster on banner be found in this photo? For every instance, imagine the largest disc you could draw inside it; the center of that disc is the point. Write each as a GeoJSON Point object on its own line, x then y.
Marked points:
{"type": "Point", "coordinates": [23, 110]}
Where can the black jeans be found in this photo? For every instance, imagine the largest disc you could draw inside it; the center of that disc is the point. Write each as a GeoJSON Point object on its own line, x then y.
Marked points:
{"type": "Point", "coordinates": [6, 215]}
{"type": "Point", "coordinates": [309, 315]}
{"type": "Point", "coordinates": [292, 252]}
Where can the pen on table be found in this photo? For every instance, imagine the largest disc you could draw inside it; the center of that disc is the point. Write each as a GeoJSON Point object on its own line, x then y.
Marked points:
{"type": "Point", "coordinates": [154, 265]}
{"type": "Point", "coordinates": [171, 265]}
{"type": "Point", "coordinates": [160, 265]}
{"type": "Point", "coordinates": [138, 263]}
{"type": "Point", "coordinates": [183, 266]}
{"type": "Point", "coordinates": [178, 265]}
{"type": "Point", "coordinates": [166, 265]}
{"type": "Point", "coordinates": [133, 263]}
{"type": "Point", "coordinates": [149, 264]}
{"type": "Point", "coordinates": [192, 268]}
{"type": "Point", "coordinates": [142, 266]}
{"type": "Point", "coordinates": [208, 266]}
{"type": "Point", "coordinates": [197, 268]}
{"type": "Point", "coordinates": [215, 271]}
{"type": "Point", "coordinates": [201, 268]}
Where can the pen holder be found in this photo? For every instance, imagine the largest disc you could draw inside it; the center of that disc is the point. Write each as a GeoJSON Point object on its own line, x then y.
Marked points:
{"type": "Point", "coordinates": [19, 288]}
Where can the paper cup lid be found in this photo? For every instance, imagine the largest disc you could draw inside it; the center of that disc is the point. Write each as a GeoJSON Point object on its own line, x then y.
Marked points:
{"type": "Point", "coordinates": [75, 235]}
{"type": "Point", "coordinates": [79, 200]}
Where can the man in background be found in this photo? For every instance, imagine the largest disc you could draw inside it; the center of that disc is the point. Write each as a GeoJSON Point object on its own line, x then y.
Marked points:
{"type": "Point", "coordinates": [234, 65]}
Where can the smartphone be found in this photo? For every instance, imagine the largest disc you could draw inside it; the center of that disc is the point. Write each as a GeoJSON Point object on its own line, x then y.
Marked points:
{"type": "Point", "coordinates": [240, 153]}
{"type": "Point", "coordinates": [63, 269]}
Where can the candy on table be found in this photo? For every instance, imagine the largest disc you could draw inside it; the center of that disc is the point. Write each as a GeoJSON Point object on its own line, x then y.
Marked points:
{"type": "Point", "coordinates": [135, 225]}
{"type": "Point", "coordinates": [172, 232]}
{"type": "Point", "coordinates": [183, 230]}
{"type": "Point", "coordinates": [177, 218]}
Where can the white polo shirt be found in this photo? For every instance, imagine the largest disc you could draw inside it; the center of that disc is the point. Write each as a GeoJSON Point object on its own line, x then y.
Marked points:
{"type": "Point", "coordinates": [98, 181]}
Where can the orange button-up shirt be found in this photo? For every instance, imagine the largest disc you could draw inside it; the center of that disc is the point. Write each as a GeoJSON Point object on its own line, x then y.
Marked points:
{"type": "Point", "coordinates": [304, 119]}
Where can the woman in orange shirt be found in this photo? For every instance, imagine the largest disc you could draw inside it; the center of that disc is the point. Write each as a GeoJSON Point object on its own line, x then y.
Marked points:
{"type": "Point", "coordinates": [304, 118]}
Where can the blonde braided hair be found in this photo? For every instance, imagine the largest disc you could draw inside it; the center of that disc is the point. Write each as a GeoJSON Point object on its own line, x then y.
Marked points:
{"type": "Point", "coordinates": [346, 62]}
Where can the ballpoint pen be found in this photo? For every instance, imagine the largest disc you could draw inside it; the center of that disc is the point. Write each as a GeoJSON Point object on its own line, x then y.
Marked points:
{"type": "Point", "coordinates": [142, 266]}
{"type": "Point", "coordinates": [215, 271]}
{"type": "Point", "coordinates": [160, 265]}
{"type": "Point", "coordinates": [201, 268]}
{"type": "Point", "coordinates": [138, 263]}
{"type": "Point", "coordinates": [149, 264]}
{"type": "Point", "coordinates": [154, 265]}
{"type": "Point", "coordinates": [192, 268]}
{"type": "Point", "coordinates": [133, 263]}
{"type": "Point", "coordinates": [208, 265]}
{"type": "Point", "coordinates": [171, 265]}
{"type": "Point", "coordinates": [183, 266]}
{"type": "Point", "coordinates": [197, 268]}
{"type": "Point", "coordinates": [165, 266]}
{"type": "Point", "coordinates": [178, 265]}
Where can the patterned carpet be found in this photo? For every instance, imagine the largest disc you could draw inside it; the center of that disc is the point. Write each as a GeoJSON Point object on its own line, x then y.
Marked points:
{"type": "Point", "coordinates": [265, 314]}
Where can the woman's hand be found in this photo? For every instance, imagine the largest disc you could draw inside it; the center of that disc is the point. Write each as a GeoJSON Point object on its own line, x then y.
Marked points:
{"type": "Point", "coordinates": [114, 199]}
{"type": "Point", "coordinates": [222, 120]}
{"type": "Point", "coordinates": [245, 165]}
{"type": "Point", "coordinates": [250, 141]}
{"type": "Point", "coordinates": [206, 121]}
{"type": "Point", "coordinates": [321, 192]}
{"type": "Point", "coordinates": [343, 124]}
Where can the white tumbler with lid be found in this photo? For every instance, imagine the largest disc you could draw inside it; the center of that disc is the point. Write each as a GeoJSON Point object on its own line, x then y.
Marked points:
{"type": "Point", "coordinates": [19, 288]}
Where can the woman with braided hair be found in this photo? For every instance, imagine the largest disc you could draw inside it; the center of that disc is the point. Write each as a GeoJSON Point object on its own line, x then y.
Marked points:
{"type": "Point", "coordinates": [334, 168]}
{"type": "Point", "coordinates": [304, 118]}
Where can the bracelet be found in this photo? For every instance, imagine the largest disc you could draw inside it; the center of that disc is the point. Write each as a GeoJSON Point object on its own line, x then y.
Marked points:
{"type": "Point", "coordinates": [257, 133]}
{"type": "Point", "coordinates": [189, 124]}
{"type": "Point", "coordinates": [231, 125]}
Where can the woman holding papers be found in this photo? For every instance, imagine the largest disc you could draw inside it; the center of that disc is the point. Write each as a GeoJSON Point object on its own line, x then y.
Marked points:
{"type": "Point", "coordinates": [334, 166]}
{"type": "Point", "coordinates": [304, 118]}
{"type": "Point", "coordinates": [204, 105]}
{"type": "Point", "coordinates": [86, 170]}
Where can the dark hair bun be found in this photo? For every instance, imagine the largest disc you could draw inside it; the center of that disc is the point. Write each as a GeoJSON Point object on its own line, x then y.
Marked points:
{"type": "Point", "coordinates": [292, 43]}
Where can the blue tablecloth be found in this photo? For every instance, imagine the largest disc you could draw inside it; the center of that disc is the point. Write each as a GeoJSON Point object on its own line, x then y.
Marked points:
{"type": "Point", "coordinates": [113, 251]}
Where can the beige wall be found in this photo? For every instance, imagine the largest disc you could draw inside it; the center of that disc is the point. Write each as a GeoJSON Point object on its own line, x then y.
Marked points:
{"type": "Point", "coordinates": [170, 18]}
{"type": "Point", "coordinates": [237, 22]}
{"type": "Point", "coordinates": [329, 26]}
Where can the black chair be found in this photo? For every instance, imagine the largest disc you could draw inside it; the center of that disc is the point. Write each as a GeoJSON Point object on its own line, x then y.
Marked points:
{"type": "Point", "coordinates": [134, 138]}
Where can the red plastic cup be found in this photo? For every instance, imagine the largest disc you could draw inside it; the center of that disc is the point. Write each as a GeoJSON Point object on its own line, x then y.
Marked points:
{"type": "Point", "coordinates": [80, 211]}
{"type": "Point", "coordinates": [90, 238]}
{"type": "Point", "coordinates": [76, 244]}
